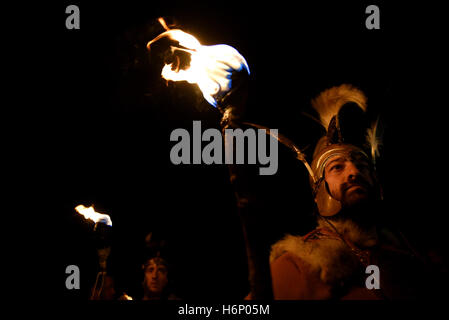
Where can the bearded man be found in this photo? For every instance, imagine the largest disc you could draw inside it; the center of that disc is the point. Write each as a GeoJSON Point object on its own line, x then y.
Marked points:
{"type": "Point", "coordinates": [331, 262]}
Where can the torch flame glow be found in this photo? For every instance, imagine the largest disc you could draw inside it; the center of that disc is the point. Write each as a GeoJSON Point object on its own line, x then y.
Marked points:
{"type": "Point", "coordinates": [210, 67]}
{"type": "Point", "coordinates": [90, 213]}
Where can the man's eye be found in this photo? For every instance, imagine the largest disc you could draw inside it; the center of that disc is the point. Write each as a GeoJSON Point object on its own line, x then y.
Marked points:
{"type": "Point", "coordinates": [336, 167]}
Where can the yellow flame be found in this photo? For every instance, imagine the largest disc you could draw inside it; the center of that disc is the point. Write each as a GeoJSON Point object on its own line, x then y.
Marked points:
{"type": "Point", "coordinates": [211, 67]}
{"type": "Point", "coordinates": [162, 22]}
{"type": "Point", "coordinates": [90, 213]}
{"type": "Point", "coordinates": [126, 297]}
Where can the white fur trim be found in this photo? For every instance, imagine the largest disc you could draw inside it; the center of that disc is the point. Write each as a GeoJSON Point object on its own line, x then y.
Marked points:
{"type": "Point", "coordinates": [330, 257]}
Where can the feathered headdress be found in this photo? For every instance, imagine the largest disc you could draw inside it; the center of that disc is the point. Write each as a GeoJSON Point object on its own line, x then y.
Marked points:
{"type": "Point", "coordinates": [353, 136]}
{"type": "Point", "coordinates": [374, 139]}
{"type": "Point", "coordinates": [328, 106]}
{"type": "Point", "coordinates": [329, 102]}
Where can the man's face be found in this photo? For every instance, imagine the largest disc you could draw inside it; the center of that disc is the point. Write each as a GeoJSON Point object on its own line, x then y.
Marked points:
{"type": "Point", "coordinates": [155, 277]}
{"type": "Point", "coordinates": [349, 179]}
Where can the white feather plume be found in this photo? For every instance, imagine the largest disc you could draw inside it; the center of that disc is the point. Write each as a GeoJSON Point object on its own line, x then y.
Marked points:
{"type": "Point", "coordinates": [330, 101]}
{"type": "Point", "coordinates": [374, 139]}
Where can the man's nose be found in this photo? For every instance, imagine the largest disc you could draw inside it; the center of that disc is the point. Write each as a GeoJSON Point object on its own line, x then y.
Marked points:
{"type": "Point", "coordinates": [352, 171]}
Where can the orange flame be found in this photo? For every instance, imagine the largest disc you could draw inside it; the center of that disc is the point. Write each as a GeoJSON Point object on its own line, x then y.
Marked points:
{"type": "Point", "coordinates": [90, 213]}
{"type": "Point", "coordinates": [210, 67]}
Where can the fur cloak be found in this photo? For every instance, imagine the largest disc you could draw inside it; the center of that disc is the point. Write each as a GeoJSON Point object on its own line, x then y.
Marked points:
{"type": "Point", "coordinates": [321, 265]}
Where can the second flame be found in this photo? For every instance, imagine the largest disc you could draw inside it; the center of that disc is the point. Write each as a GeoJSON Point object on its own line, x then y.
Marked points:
{"type": "Point", "coordinates": [90, 213]}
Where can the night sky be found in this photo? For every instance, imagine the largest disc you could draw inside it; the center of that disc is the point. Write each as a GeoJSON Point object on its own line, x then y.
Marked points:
{"type": "Point", "coordinates": [99, 134]}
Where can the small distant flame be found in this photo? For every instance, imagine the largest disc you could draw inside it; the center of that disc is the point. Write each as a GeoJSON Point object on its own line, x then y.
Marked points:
{"type": "Point", "coordinates": [210, 67]}
{"type": "Point", "coordinates": [126, 297]}
{"type": "Point", "coordinates": [90, 213]}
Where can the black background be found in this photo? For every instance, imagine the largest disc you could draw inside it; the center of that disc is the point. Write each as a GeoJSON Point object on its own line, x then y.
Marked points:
{"type": "Point", "coordinates": [96, 121]}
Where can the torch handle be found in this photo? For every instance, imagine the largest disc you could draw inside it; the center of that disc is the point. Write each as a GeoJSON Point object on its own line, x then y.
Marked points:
{"type": "Point", "coordinates": [98, 286]}
{"type": "Point", "coordinates": [259, 274]}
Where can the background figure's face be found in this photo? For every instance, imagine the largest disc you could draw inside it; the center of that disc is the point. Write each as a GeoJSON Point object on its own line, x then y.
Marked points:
{"type": "Point", "coordinates": [155, 279]}
{"type": "Point", "coordinates": [349, 179]}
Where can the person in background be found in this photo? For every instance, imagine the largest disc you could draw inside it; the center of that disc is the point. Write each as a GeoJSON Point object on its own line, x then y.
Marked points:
{"type": "Point", "coordinates": [158, 275]}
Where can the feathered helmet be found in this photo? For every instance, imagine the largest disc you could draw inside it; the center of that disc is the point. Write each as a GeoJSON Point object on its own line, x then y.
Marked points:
{"type": "Point", "coordinates": [349, 138]}
{"type": "Point", "coordinates": [353, 138]}
{"type": "Point", "coordinates": [329, 105]}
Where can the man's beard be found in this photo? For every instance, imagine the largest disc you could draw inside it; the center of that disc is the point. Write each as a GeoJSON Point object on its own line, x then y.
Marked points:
{"type": "Point", "coordinates": [355, 193]}
{"type": "Point", "coordinates": [361, 204]}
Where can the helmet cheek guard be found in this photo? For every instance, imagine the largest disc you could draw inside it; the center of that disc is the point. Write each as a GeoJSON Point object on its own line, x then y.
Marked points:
{"type": "Point", "coordinates": [326, 204]}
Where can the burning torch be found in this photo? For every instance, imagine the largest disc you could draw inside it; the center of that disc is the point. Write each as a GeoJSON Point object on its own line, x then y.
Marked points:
{"type": "Point", "coordinates": [222, 73]}
{"type": "Point", "coordinates": [102, 229]}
